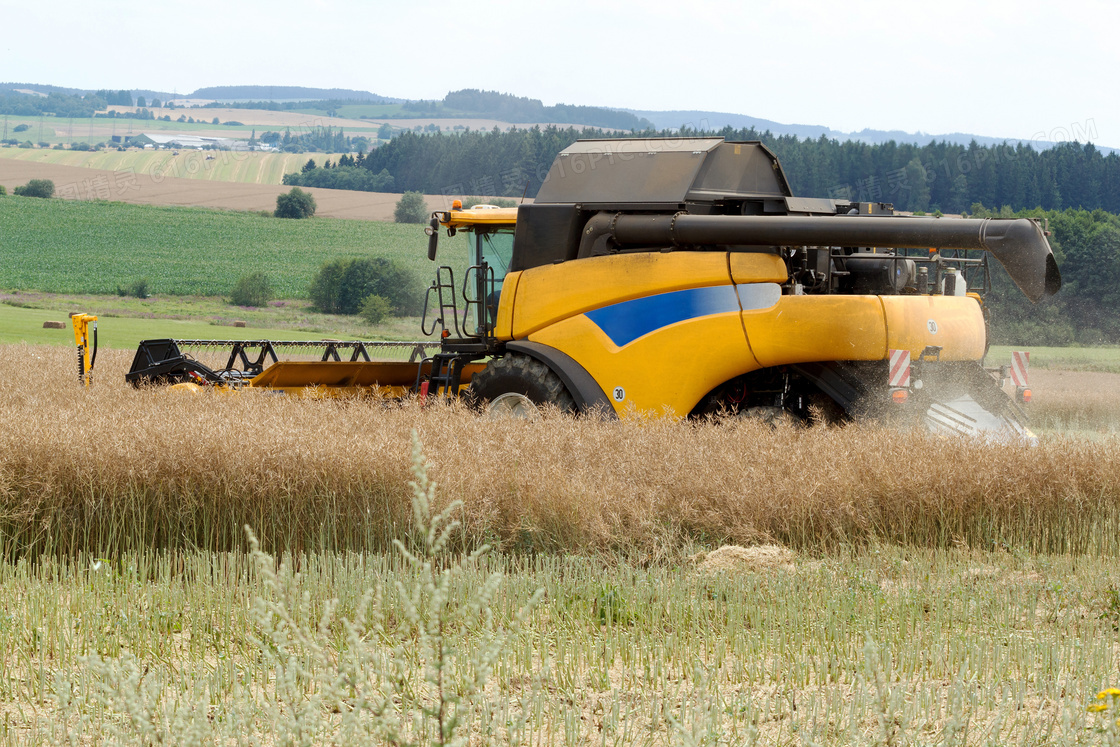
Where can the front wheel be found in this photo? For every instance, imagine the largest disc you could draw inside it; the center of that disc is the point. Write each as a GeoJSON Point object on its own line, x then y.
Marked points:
{"type": "Point", "coordinates": [518, 386]}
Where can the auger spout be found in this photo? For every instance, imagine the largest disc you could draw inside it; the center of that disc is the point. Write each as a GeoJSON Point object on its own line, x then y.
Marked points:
{"type": "Point", "coordinates": [1019, 245]}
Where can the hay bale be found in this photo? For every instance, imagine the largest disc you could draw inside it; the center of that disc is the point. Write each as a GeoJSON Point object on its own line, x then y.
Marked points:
{"type": "Point", "coordinates": [54, 325]}
{"type": "Point", "coordinates": [735, 559]}
{"type": "Point", "coordinates": [239, 324]}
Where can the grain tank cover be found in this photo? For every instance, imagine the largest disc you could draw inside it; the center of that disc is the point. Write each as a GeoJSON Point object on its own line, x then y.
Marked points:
{"type": "Point", "coordinates": [662, 171]}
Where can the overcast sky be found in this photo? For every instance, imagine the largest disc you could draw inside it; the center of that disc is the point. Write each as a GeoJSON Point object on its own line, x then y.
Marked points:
{"type": "Point", "coordinates": [1005, 69]}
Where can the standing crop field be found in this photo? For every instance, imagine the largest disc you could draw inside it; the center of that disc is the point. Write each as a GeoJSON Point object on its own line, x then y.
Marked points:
{"type": "Point", "coordinates": [651, 582]}
{"type": "Point", "coordinates": [221, 166]}
{"type": "Point", "coordinates": [59, 246]}
{"type": "Point", "coordinates": [331, 475]}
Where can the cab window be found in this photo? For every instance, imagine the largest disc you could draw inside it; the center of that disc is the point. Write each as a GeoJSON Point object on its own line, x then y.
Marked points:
{"type": "Point", "coordinates": [495, 248]}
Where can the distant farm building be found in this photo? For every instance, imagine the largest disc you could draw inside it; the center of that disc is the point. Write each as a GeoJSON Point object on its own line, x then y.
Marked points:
{"type": "Point", "coordinates": [173, 140]}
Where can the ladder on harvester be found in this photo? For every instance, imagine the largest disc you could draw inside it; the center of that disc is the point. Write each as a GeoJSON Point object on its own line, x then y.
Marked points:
{"type": "Point", "coordinates": [446, 367]}
{"type": "Point", "coordinates": [446, 375]}
{"type": "Point", "coordinates": [444, 287]}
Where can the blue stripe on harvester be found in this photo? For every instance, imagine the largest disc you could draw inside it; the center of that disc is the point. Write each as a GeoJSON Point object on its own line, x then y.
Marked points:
{"type": "Point", "coordinates": [627, 321]}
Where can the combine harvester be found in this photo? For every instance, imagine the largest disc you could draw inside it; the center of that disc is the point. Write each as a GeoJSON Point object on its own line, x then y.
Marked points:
{"type": "Point", "coordinates": [683, 277]}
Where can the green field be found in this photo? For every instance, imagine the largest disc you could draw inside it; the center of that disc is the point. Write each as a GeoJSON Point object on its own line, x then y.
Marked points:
{"type": "Point", "coordinates": [26, 325]}
{"type": "Point", "coordinates": [220, 166]}
{"type": "Point", "coordinates": [1104, 359]}
{"type": "Point", "coordinates": [124, 321]}
{"type": "Point", "coordinates": [63, 246]}
{"type": "Point", "coordinates": [894, 646]}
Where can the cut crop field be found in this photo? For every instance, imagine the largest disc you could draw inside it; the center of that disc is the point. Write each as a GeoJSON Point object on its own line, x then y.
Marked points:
{"type": "Point", "coordinates": [219, 166]}
{"type": "Point", "coordinates": [93, 130]}
{"type": "Point", "coordinates": [260, 119]}
{"type": "Point", "coordinates": [355, 119]}
{"type": "Point", "coordinates": [651, 582]}
{"type": "Point", "coordinates": [63, 246]}
{"type": "Point", "coordinates": [362, 111]}
{"type": "Point", "coordinates": [1076, 390]}
{"type": "Point", "coordinates": [157, 188]}
{"type": "Point", "coordinates": [745, 646]}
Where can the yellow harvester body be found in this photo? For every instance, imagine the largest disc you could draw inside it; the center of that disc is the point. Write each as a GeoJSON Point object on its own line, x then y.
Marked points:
{"type": "Point", "coordinates": [682, 277]}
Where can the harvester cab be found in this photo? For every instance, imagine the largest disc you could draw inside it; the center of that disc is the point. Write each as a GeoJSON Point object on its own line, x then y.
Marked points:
{"type": "Point", "coordinates": [490, 232]}
{"type": "Point", "coordinates": [464, 315]}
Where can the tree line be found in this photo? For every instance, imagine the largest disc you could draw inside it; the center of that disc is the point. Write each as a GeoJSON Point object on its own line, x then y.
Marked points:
{"type": "Point", "coordinates": [509, 163]}
{"type": "Point", "coordinates": [509, 108]}
{"type": "Point", "coordinates": [56, 103]}
{"type": "Point", "coordinates": [303, 93]}
{"type": "Point", "coordinates": [939, 176]}
{"type": "Point", "coordinates": [468, 102]}
{"type": "Point", "coordinates": [316, 139]}
{"type": "Point", "coordinates": [115, 98]}
{"type": "Point", "coordinates": [346, 174]}
{"type": "Point", "coordinates": [1086, 245]}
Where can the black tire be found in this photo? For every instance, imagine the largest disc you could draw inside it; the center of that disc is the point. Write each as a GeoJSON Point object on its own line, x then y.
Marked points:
{"type": "Point", "coordinates": [774, 417]}
{"type": "Point", "coordinates": [519, 374]}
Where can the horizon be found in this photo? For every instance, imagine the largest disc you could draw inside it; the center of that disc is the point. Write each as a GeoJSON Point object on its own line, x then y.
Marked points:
{"type": "Point", "coordinates": [1002, 70]}
{"type": "Point", "coordinates": [1082, 133]}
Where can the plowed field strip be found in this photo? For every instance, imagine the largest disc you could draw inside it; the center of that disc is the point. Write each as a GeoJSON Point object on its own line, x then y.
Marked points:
{"type": "Point", "coordinates": [155, 188]}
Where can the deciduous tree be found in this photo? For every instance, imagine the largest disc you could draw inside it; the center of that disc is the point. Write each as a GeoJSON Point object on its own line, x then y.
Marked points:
{"type": "Point", "coordinates": [295, 204]}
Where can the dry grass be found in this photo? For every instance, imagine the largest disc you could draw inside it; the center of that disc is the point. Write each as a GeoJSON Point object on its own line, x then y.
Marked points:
{"type": "Point", "coordinates": [737, 560]}
{"type": "Point", "coordinates": [113, 469]}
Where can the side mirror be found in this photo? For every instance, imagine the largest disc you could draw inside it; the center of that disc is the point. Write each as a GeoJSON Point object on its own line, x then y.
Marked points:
{"type": "Point", "coordinates": [433, 238]}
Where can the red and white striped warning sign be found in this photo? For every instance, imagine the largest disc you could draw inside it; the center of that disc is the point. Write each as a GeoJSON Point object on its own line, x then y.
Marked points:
{"type": "Point", "coordinates": [900, 368]}
{"type": "Point", "coordinates": [1020, 361]}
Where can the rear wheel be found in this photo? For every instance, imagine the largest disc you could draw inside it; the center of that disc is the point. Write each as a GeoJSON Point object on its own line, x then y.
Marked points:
{"type": "Point", "coordinates": [774, 396]}
{"type": "Point", "coordinates": [518, 386]}
{"type": "Point", "coordinates": [771, 416]}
